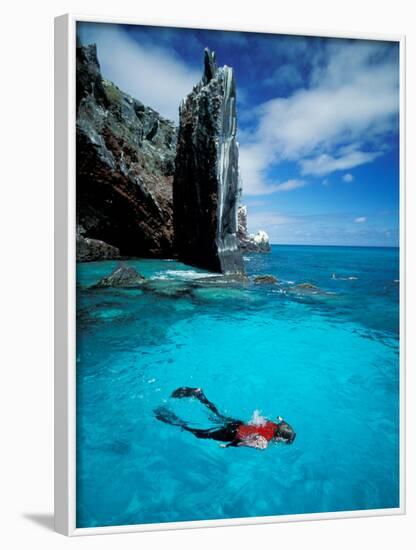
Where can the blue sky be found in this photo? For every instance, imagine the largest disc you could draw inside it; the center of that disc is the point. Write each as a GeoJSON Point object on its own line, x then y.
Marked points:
{"type": "Point", "coordinates": [318, 122]}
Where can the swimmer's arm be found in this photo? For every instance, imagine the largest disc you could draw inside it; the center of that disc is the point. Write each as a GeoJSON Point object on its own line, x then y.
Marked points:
{"type": "Point", "coordinates": [231, 444]}
{"type": "Point", "coordinates": [257, 442]}
{"type": "Point", "coordinates": [254, 441]}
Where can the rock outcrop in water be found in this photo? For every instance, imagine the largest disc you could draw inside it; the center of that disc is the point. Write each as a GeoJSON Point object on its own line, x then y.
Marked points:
{"type": "Point", "coordinates": [90, 250]}
{"type": "Point", "coordinates": [125, 166]}
{"type": "Point", "coordinates": [206, 183]}
{"type": "Point", "coordinates": [258, 242]}
{"type": "Point", "coordinates": [265, 280]}
{"type": "Point", "coordinates": [123, 276]}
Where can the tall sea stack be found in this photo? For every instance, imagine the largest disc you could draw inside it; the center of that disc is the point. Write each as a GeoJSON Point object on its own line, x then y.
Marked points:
{"type": "Point", "coordinates": [206, 181]}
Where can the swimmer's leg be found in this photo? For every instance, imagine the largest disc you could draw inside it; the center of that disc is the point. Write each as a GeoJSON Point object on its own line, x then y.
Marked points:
{"type": "Point", "coordinates": [168, 417]}
{"type": "Point", "coordinates": [225, 434]}
{"type": "Point", "coordinates": [197, 393]}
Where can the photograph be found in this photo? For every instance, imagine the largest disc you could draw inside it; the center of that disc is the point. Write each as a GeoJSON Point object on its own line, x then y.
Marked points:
{"type": "Point", "coordinates": [238, 275]}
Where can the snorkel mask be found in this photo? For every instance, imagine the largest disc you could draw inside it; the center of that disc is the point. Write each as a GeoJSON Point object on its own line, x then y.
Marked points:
{"type": "Point", "coordinates": [284, 432]}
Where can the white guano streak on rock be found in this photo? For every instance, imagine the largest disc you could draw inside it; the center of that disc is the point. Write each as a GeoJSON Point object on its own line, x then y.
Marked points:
{"type": "Point", "coordinates": [224, 158]}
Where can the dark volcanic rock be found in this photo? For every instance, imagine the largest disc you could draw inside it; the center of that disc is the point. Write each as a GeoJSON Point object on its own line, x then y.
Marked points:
{"type": "Point", "coordinates": [250, 243]}
{"type": "Point", "coordinates": [265, 279]}
{"type": "Point", "coordinates": [90, 250]}
{"type": "Point", "coordinates": [206, 183]}
{"type": "Point", "coordinates": [125, 165]}
{"type": "Point", "coordinates": [123, 276]}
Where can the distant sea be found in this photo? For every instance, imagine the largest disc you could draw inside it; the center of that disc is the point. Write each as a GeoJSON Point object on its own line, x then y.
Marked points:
{"type": "Point", "coordinates": [327, 361]}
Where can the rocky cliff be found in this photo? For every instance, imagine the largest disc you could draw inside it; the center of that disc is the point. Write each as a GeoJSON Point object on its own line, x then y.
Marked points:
{"type": "Point", "coordinates": [206, 182]}
{"type": "Point", "coordinates": [258, 242]}
{"type": "Point", "coordinates": [125, 166]}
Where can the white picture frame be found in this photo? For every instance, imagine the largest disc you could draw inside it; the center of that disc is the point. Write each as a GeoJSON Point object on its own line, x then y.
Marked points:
{"type": "Point", "coordinates": [65, 281]}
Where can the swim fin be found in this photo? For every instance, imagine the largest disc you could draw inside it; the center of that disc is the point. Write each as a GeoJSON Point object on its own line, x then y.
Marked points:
{"type": "Point", "coordinates": [186, 392]}
{"type": "Point", "coordinates": [168, 417]}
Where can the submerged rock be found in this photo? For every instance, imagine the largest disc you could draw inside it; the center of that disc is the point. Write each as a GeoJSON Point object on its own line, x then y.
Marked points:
{"type": "Point", "coordinates": [265, 279]}
{"type": "Point", "coordinates": [168, 288]}
{"type": "Point", "coordinates": [307, 286]}
{"type": "Point", "coordinates": [228, 280]}
{"type": "Point", "coordinates": [125, 165]}
{"type": "Point", "coordinates": [306, 289]}
{"type": "Point", "coordinates": [221, 294]}
{"type": "Point", "coordinates": [123, 276]}
{"type": "Point", "coordinates": [258, 242]}
{"type": "Point", "coordinates": [206, 183]}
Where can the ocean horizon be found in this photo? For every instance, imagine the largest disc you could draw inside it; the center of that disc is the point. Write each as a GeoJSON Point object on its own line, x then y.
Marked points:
{"type": "Point", "coordinates": [335, 245]}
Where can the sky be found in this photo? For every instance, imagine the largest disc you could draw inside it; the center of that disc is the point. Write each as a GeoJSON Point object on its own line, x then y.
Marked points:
{"type": "Point", "coordinates": [318, 122]}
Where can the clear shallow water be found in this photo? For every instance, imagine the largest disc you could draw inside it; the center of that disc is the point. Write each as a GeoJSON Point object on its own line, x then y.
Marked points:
{"type": "Point", "coordinates": [328, 363]}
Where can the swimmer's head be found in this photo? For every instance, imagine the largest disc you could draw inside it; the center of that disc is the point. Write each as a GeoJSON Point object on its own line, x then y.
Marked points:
{"type": "Point", "coordinates": [284, 432]}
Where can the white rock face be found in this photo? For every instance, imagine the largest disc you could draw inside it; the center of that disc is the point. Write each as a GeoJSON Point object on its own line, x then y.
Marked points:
{"type": "Point", "coordinates": [258, 242]}
{"type": "Point", "coordinates": [261, 238]}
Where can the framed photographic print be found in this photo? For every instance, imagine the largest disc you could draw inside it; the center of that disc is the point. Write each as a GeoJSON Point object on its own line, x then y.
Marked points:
{"type": "Point", "coordinates": [229, 261]}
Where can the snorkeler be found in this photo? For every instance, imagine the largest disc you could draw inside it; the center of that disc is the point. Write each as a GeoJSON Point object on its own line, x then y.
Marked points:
{"type": "Point", "coordinates": [231, 432]}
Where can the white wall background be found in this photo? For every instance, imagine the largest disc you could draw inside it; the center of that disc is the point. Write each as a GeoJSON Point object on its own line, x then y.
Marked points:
{"type": "Point", "coordinates": [26, 274]}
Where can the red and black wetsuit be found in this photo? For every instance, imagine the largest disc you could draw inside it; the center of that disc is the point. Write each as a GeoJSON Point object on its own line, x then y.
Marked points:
{"type": "Point", "coordinates": [266, 430]}
{"type": "Point", "coordinates": [234, 432]}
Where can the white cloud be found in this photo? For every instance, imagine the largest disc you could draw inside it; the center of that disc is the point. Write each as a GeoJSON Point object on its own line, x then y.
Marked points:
{"type": "Point", "coordinates": [361, 219]}
{"type": "Point", "coordinates": [348, 178]}
{"type": "Point", "coordinates": [253, 160]}
{"type": "Point", "coordinates": [150, 73]}
{"type": "Point", "coordinates": [352, 103]}
{"type": "Point", "coordinates": [289, 185]}
{"type": "Point", "coordinates": [325, 164]}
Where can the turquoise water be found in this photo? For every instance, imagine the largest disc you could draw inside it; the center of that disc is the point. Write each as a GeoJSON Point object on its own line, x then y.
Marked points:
{"type": "Point", "coordinates": [327, 362]}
